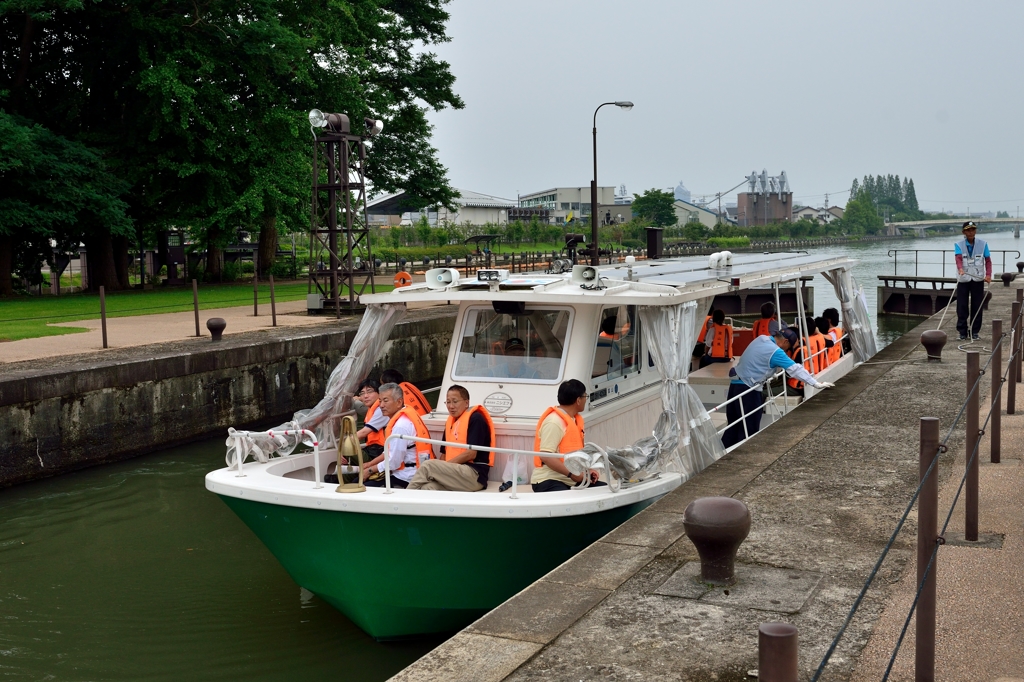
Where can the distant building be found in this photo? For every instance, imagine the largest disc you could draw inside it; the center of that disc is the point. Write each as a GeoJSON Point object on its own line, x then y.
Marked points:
{"type": "Point", "coordinates": [822, 215]}
{"type": "Point", "coordinates": [687, 212]}
{"type": "Point", "coordinates": [473, 207]}
{"type": "Point", "coordinates": [768, 199]}
{"type": "Point", "coordinates": [683, 194]}
{"type": "Point", "coordinates": [622, 196]}
{"type": "Point", "coordinates": [560, 202]}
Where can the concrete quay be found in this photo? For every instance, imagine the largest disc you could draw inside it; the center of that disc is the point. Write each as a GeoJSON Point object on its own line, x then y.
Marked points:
{"type": "Point", "coordinates": [825, 487]}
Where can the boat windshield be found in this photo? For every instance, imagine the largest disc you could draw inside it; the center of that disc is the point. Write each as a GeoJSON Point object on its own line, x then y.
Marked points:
{"type": "Point", "coordinates": [525, 347]}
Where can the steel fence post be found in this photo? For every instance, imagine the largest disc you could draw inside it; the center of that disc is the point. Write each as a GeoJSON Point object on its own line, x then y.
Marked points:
{"type": "Point", "coordinates": [103, 313]}
{"type": "Point", "coordinates": [996, 395]}
{"type": "Point", "coordinates": [972, 437]}
{"type": "Point", "coordinates": [927, 535]}
{"type": "Point", "coordinates": [1017, 329]}
{"type": "Point", "coordinates": [777, 650]}
{"type": "Point", "coordinates": [195, 304]}
{"type": "Point", "coordinates": [1011, 386]}
{"type": "Point", "coordinates": [273, 304]}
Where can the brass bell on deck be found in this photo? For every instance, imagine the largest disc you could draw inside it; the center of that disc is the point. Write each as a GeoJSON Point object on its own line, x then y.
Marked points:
{"type": "Point", "coordinates": [349, 450]}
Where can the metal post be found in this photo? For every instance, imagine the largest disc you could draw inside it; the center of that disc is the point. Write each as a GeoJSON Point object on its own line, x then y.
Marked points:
{"type": "Point", "coordinates": [1011, 387]}
{"type": "Point", "coordinates": [103, 314]}
{"type": "Point", "coordinates": [927, 536]}
{"type": "Point", "coordinates": [1018, 342]}
{"type": "Point", "coordinates": [255, 296]}
{"type": "Point", "coordinates": [195, 304]}
{"type": "Point", "coordinates": [777, 653]}
{"type": "Point", "coordinates": [273, 304]}
{"type": "Point", "coordinates": [972, 436]}
{"type": "Point", "coordinates": [996, 395]}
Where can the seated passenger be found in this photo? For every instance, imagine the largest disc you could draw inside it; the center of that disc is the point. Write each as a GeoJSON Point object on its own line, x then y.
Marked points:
{"type": "Point", "coordinates": [769, 323]}
{"type": "Point", "coordinates": [718, 340]}
{"type": "Point", "coordinates": [515, 365]}
{"type": "Point", "coordinates": [404, 457]}
{"type": "Point", "coordinates": [462, 469]}
{"type": "Point", "coordinates": [816, 344]}
{"type": "Point", "coordinates": [832, 350]}
{"type": "Point", "coordinates": [560, 429]}
{"type": "Point", "coordinates": [373, 426]}
{"type": "Point", "coordinates": [412, 395]}
{"type": "Point", "coordinates": [836, 332]}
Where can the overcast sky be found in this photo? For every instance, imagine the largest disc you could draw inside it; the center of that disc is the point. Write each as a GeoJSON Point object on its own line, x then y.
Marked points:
{"type": "Point", "coordinates": [825, 91]}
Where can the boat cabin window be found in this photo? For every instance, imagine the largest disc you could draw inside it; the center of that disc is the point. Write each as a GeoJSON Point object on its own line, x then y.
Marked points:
{"type": "Point", "coordinates": [525, 347]}
{"type": "Point", "coordinates": [618, 343]}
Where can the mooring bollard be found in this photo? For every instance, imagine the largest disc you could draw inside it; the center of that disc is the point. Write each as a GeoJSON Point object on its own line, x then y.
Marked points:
{"type": "Point", "coordinates": [195, 304]}
{"type": "Point", "coordinates": [103, 313]}
{"type": "Point", "coordinates": [716, 526]}
{"type": "Point", "coordinates": [973, 437]}
{"type": "Point", "coordinates": [996, 368]}
{"type": "Point", "coordinates": [216, 326]}
{"type": "Point", "coordinates": [927, 536]}
{"type": "Point", "coordinates": [273, 305]}
{"type": "Point", "coordinates": [933, 340]}
{"type": "Point", "coordinates": [777, 653]}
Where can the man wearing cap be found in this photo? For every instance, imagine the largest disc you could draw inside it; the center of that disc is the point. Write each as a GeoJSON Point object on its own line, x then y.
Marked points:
{"type": "Point", "coordinates": [515, 366]}
{"type": "Point", "coordinates": [758, 363]}
{"type": "Point", "coordinates": [974, 270]}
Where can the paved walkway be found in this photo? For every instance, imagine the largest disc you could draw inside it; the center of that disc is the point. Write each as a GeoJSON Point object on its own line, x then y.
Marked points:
{"type": "Point", "coordinates": [825, 487]}
{"type": "Point", "coordinates": [143, 330]}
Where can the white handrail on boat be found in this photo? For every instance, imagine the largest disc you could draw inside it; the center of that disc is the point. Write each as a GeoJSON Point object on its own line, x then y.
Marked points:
{"type": "Point", "coordinates": [512, 451]}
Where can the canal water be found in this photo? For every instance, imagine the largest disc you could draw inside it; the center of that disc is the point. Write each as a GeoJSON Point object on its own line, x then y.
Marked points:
{"type": "Point", "coordinates": [133, 571]}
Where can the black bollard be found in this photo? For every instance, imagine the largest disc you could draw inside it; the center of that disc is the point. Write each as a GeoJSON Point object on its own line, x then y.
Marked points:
{"type": "Point", "coordinates": [216, 326]}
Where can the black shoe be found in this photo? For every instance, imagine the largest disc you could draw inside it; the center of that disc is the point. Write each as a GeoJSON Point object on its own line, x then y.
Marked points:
{"type": "Point", "coordinates": [963, 337]}
{"type": "Point", "coordinates": [975, 337]}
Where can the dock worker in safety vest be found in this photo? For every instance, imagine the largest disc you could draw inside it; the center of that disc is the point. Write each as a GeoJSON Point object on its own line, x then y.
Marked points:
{"type": "Point", "coordinates": [560, 429]}
{"type": "Point", "coordinates": [768, 325]}
{"type": "Point", "coordinates": [758, 363]}
{"type": "Point", "coordinates": [718, 340]}
{"type": "Point", "coordinates": [404, 457]}
{"type": "Point", "coordinates": [463, 469]}
{"type": "Point", "coordinates": [974, 270]}
{"type": "Point", "coordinates": [412, 396]}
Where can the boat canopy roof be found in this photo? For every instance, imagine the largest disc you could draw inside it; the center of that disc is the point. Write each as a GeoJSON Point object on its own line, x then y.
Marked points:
{"type": "Point", "coordinates": [652, 282]}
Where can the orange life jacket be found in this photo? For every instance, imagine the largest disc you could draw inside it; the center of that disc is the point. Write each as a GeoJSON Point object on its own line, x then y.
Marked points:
{"type": "Point", "coordinates": [424, 449]}
{"type": "Point", "coordinates": [817, 343]}
{"type": "Point", "coordinates": [761, 327]}
{"type": "Point", "coordinates": [457, 430]}
{"type": "Point", "coordinates": [721, 344]}
{"type": "Point", "coordinates": [703, 330]}
{"type": "Point", "coordinates": [571, 441]}
{"type": "Point", "coordinates": [793, 381]}
{"type": "Point", "coordinates": [414, 399]}
{"type": "Point", "coordinates": [836, 351]}
{"type": "Point", "coordinates": [374, 437]}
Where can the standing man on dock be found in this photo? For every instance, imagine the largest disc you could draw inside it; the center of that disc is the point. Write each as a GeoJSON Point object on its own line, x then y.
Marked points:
{"type": "Point", "coordinates": [974, 270]}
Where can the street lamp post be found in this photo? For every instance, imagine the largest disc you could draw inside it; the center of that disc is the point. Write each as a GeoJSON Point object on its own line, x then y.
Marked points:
{"type": "Point", "coordinates": [594, 259]}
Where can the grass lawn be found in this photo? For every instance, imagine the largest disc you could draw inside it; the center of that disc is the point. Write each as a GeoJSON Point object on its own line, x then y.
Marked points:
{"type": "Point", "coordinates": [26, 317]}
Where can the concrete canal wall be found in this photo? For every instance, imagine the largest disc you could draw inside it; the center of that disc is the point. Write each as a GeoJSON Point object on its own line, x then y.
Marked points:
{"type": "Point", "coordinates": [825, 487]}
{"type": "Point", "coordinates": [68, 413]}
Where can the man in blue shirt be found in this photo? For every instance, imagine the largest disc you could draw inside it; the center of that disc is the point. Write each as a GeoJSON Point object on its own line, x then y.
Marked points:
{"type": "Point", "coordinates": [974, 270]}
{"type": "Point", "coordinates": [758, 363]}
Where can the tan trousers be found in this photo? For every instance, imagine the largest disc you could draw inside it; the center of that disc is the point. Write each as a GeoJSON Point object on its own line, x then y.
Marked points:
{"type": "Point", "coordinates": [436, 474]}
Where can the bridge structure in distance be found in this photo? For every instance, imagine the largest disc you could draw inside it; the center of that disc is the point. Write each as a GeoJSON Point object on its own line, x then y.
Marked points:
{"type": "Point", "coordinates": [919, 226]}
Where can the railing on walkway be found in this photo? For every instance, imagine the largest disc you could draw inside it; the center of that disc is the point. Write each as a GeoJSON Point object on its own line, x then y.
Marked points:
{"type": "Point", "coordinates": [929, 537]}
{"type": "Point", "coordinates": [895, 255]}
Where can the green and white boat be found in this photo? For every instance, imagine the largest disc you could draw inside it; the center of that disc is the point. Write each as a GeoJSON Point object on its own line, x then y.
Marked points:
{"type": "Point", "coordinates": [438, 560]}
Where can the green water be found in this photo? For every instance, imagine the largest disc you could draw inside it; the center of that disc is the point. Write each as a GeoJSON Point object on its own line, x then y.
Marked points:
{"type": "Point", "coordinates": [133, 571]}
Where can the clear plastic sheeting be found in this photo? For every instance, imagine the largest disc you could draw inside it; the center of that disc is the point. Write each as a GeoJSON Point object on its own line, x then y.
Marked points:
{"type": "Point", "coordinates": [856, 322]}
{"type": "Point", "coordinates": [644, 457]}
{"type": "Point", "coordinates": [374, 330]}
{"type": "Point", "coordinates": [672, 331]}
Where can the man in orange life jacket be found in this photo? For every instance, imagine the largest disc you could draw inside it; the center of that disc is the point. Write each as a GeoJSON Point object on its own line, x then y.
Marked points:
{"type": "Point", "coordinates": [718, 340]}
{"type": "Point", "coordinates": [412, 396]}
{"type": "Point", "coordinates": [404, 457]}
{"type": "Point", "coordinates": [816, 343]}
{"type": "Point", "coordinates": [832, 315]}
{"type": "Point", "coordinates": [768, 325]}
{"type": "Point", "coordinates": [560, 429]}
{"type": "Point", "coordinates": [375, 421]}
{"type": "Point", "coordinates": [462, 469]}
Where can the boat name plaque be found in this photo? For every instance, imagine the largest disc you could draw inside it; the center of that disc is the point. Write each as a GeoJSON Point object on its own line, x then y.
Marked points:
{"type": "Point", "coordinates": [498, 403]}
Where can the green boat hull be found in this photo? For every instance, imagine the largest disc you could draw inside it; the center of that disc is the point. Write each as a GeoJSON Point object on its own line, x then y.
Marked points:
{"type": "Point", "coordinates": [400, 576]}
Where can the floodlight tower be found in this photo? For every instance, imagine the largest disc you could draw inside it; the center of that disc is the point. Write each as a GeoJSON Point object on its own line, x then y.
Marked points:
{"type": "Point", "coordinates": [339, 236]}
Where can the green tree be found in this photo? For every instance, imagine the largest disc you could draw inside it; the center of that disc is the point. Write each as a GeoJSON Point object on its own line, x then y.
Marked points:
{"type": "Point", "coordinates": [695, 231]}
{"type": "Point", "coordinates": [514, 232]}
{"type": "Point", "coordinates": [861, 217]}
{"type": "Point", "coordinates": [535, 229]}
{"type": "Point", "coordinates": [657, 206]}
{"type": "Point", "coordinates": [423, 230]}
{"type": "Point", "coordinates": [201, 107]}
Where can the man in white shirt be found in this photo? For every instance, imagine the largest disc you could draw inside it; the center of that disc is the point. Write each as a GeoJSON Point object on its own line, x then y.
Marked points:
{"type": "Point", "coordinates": [404, 456]}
